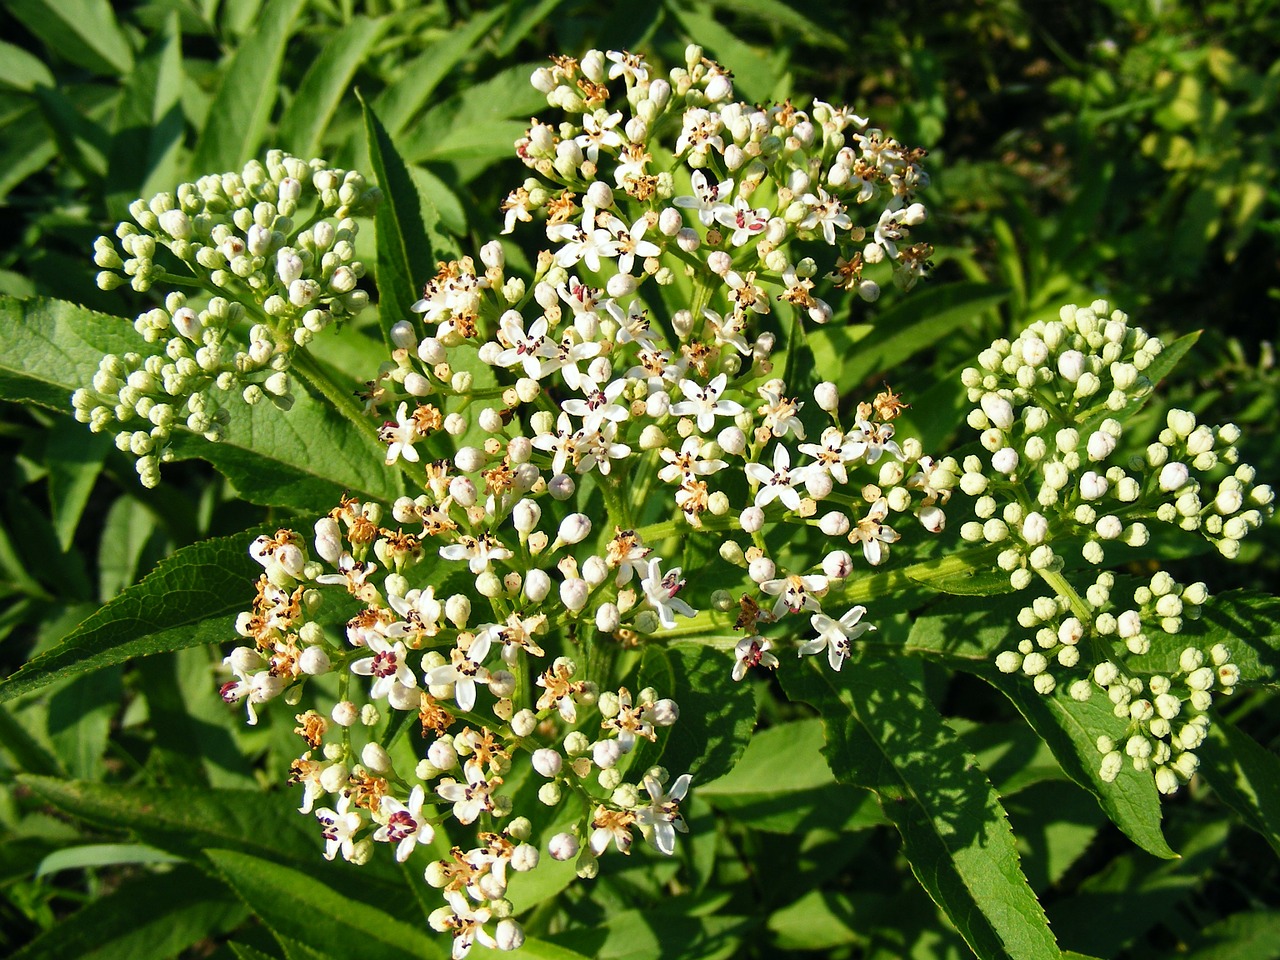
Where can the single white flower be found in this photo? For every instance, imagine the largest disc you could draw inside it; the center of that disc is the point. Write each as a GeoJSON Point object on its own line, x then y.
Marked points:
{"type": "Point", "coordinates": [778, 483]}
{"type": "Point", "coordinates": [704, 403]}
{"type": "Point", "coordinates": [661, 819]}
{"type": "Point", "coordinates": [387, 666]}
{"type": "Point", "coordinates": [404, 823]}
{"type": "Point", "coordinates": [339, 827]}
{"type": "Point", "coordinates": [708, 198]}
{"type": "Point", "coordinates": [834, 636]}
{"type": "Point", "coordinates": [400, 436]}
{"type": "Point", "coordinates": [752, 652]}
{"type": "Point", "coordinates": [660, 590]}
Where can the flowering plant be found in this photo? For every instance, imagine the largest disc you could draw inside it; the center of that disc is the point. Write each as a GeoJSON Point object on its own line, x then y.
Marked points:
{"type": "Point", "coordinates": [583, 497]}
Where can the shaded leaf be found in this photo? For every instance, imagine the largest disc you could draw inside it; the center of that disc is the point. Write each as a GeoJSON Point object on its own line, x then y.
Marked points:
{"type": "Point", "coordinates": [717, 720]}
{"type": "Point", "coordinates": [400, 101]}
{"type": "Point", "coordinates": [149, 124]}
{"type": "Point", "coordinates": [241, 107]}
{"type": "Point", "coordinates": [190, 599]}
{"type": "Point", "coordinates": [182, 908]}
{"type": "Point", "coordinates": [327, 81]}
{"type": "Point", "coordinates": [968, 633]}
{"type": "Point", "coordinates": [84, 32]}
{"type": "Point", "coordinates": [101, 855]}
{"type": "Point", "coordinates": [22, 70]}
{"type": "Point", "coordinates": [404, 258]}
{"type": "Point", "coordinates": [296, 905]}
{"type": "Point", "coordinates": [885, 736]}
{"type": "Point", "coordinates": [74, 459]}
{"type": "Point", "coordinates": [1246, 777]}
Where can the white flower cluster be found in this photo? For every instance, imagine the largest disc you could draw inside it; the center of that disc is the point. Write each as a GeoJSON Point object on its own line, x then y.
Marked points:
{"type": "Point", "coordinates": [236, 235]}
{"type": "Point", "coordinates": [605, 385]}
{"type": "Point", "coordinates": [467, 682]}
{"type": "Point", "coordinates": [1058, 472]}
{"type": "Point", "coordinates": [578, 387]}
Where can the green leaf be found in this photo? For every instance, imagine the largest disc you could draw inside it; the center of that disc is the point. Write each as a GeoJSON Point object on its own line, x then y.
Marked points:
{"type": "Point", "coordinates": [1241, 936]}
{"type": "Point", "coordinates": [49, 348]}
{"type": "Point", "coordinates": [717, 719]}
{"type": "Point", "coordinates": [401, 100]}
{"type": "Point", "coordinates": [101, 855]}
{"type": "Point", "coordinates": [1157, 370]}
{"type": "Point", "coordinates": [184, 821]}
{"type": "Point", "coordinates": [885, 736]}
{"type": "Point", "coordinates": [28, 752]}
{"type": "Point", "coordinates": [968, 633]}
{"type": "Point", "coordinates": [21, 70]}
{"type": "Point", "coordinates": [819, 920]}
{"type": "Point", "coordinates": [532, 949]}
{"type": "Point", "coordinates": [128, 532]}
{"type": "Point", "coordinates": [84, 32]}
{"type": "Point", "coordinates": [1246, 777]}
{"type": "Point", "coordinates": [404, 258]}
{"type": "Point", "coordinates": [190, 599]}
{"type": "Point", "coordinates": [788, 17]}
{"type": "Point", "coordinates": [851, 354]}
{"type": "Point", "coordinates": [304, 459]}
{"type": "Point", "coordinates": [294, 904]}
{"type": "Point", "coordinates": [74, 462]}
{"type": "Point", "coordinates": [241, 108]}
{"type": "Point", "coordinates": [646, 934]}
{"type": "Point", "coordinates": [1248, 623]}
{"type": "Point", "coordinates": [808, 797]}
{"type": "Point", "coordinates": [521, 21]}
{"type": "Point", "coordinates": [149, 124]}
{"type": "Point", "coordinates": [326, 82]}
{"type": "Point", "coordinates": [478, 126]}
{"type": "Point", "coordinates": [26, 147]}
{"type": "Point", "coordinates": [149, 918]}
{"type": "Point", "coordinates": [755, 77]}
{"type": "Point", "coordinates": [79, 720]}
{"type": "Point", "coordinates": [82, 139]}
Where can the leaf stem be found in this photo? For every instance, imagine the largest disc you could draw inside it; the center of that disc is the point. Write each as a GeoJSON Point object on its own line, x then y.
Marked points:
{"type": "Point", "coordinates": [1064, 589]}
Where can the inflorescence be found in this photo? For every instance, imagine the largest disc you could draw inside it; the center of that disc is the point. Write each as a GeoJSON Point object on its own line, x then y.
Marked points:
{"type": "Point", "coordinates": [623, 398]}
{"type": "Point", "coordinates": [584, 381]}
{"type": "Point", "coordinates": [1057, 473]}
{"type": "Point", "coordinates": [270, 249]}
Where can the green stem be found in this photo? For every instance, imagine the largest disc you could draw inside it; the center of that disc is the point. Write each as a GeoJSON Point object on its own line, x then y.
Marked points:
{"type": "Point", "coordinates": [925, 573]}
{"type": "Point", "coordinates": [342, 400]}
{"type": "Point", "coordinates": [1064, 589]}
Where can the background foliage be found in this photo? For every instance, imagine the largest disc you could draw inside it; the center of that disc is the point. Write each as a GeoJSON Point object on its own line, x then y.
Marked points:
{"type": "Point", "coordinates": [1079, 150]}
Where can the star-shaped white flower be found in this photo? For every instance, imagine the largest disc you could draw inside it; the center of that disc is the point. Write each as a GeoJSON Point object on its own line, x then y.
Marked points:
{"type": "Point", "coordinates": [778, 483]}
{"type": "Point", "coordinates": [661, 819]}
{"type": "Point", "coordinates": [708, 198]}
{"type": "Point", "coordinates": [752, 652]}
{"type": "Point", "coordinates": [339, 827]}
{"type": "Point", "coordinates": [387, 666]}
{"type": "Point", "coordinates": [404, 824]}
{"type": "Point", "coordinates": [834, 636]}
{"type": "Point", "coordinates": [704, 403]}
{"type": "Point", "coordinates": [400, 436]}
{"type": "Point", "coordinates": [660, 590]}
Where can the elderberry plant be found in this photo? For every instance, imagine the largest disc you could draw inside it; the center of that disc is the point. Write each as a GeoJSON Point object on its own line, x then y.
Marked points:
{"type": "Point", "coordinates": [620, 447]}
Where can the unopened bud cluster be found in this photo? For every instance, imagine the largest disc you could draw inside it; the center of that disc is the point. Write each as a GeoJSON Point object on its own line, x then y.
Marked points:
{"type": "Point", "coordinates": [236, 241]}
{"type": "Point", "coordinates": [1050, 406]}
{"type": "Point", "coordinates": [1060, 468]}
